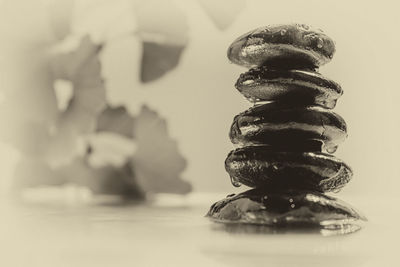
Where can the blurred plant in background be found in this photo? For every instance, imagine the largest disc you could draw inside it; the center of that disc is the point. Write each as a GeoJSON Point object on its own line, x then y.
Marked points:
{"type": "Point", "coordinates": [55, 104]}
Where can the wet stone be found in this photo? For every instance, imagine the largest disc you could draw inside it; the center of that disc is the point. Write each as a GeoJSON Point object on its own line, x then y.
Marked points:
{"type": "Point", "coordinates": [279, 124]}
{"type": "Point", "coordinates": [261, 167]}
{"type": "Point", "coordinates": [298, 45]}
{"type": "Point", "coordinates": [297, 87]}
{"type": "Point", "coordinates": [285, 141]}
{"type": "Point", "coordinates": [285, 209]}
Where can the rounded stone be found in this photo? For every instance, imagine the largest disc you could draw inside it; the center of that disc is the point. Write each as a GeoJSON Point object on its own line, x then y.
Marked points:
{"type": "Point", "coordinates": [261, 167]}
{"type": "Point", "coordinates": [277, 123]}
{"type": "Point", "coordinates": [306, 208]}
{"type": "Point", "coordinates": [299, 87]}
{"type": "Point", "coordinates": [282, 46]}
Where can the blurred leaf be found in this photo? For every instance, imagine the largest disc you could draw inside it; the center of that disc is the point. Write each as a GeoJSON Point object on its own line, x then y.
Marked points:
{"type": "Point", "coordinates": [223, 13]}
{"type": "Point", "coordinates": [158, 59]}
{"type": "Point", "coordinates": [116, 120]}
{"type": "Point", "coordinates": [157, 162]}
{"type": "Point", "coordinates": [82, 67]}
{"type": "Point", "coordinates": [68, 65]}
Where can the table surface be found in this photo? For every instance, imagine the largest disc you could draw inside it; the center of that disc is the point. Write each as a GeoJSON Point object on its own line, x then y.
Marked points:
{"type": "Point", "coordinates": [172, 231]}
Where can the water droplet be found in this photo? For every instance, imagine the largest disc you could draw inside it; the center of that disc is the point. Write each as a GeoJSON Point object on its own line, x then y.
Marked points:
{"type": "Point", "coordinates": [247, 82]}
{"type": "Point", "coordinates": [291, 200]}
{"type": "Point", "coordinates": [283, 32]}
{"type": "Point", "coordinates": [251, 215]}
{"type": "Point", "coordinates": [275, 167]}
{"type": "Point", "coordinates": [235, 182]}
{"type": "Point", "coordinates": [320, 43]}
{"type": "Point", "coordinates": [331, 149]}
{"type": "Point", "coordinates": [265, 197]}
{"type": "Point", "coordinates": [292, 206]}
{"type": "Point", "coordinates": [252, 99]}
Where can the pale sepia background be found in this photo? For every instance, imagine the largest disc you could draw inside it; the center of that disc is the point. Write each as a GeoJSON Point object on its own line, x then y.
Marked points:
{"type": "Point", "coordinates": [199, 101]}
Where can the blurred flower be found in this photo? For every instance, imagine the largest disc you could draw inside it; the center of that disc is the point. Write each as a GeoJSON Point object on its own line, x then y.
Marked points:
{"type": "Point", "coordinates": [81, 67]}
{"type": "Point", "coordinates": [63, 124]}
{"type": "Point", "coordinates": [157, 161]}
{"type": "Point", "coordinates": [116, 120]}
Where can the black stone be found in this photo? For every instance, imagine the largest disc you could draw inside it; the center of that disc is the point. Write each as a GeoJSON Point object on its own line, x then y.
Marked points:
{"type": "Point", "coordinates": [293, 208]}
{"type": "Point", "coordinates": [260, 167]}
{"type": "Point", "coordinates": [297, 87]}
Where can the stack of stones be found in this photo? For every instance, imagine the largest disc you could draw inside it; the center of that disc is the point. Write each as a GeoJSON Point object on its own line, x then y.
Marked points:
{"type": "Point", "coordinates": [286, 139]}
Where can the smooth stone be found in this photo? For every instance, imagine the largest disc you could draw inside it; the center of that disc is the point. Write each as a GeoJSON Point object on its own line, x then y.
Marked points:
{"type": "Point", "coordinates": [289, 209]}
{"type": "Point", "coordinates": [282, 46]}
{"type": "Point", "coordinates": [261, 167]}
{"type": "Point", "coordinates": [277, 123]}
{"type": "Point", "coordinates": [300, 87]}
